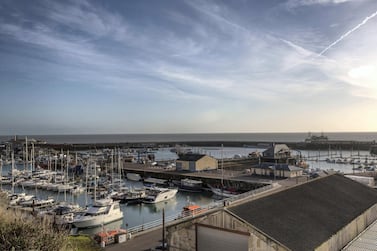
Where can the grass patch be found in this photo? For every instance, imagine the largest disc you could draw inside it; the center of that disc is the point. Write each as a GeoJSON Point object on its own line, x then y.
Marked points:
{"type": "Point", "coordinates": [82, 243]}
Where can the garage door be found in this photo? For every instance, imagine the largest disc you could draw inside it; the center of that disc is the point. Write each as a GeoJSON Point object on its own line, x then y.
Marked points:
{"type": "Point", "coordinates": [211, 238]}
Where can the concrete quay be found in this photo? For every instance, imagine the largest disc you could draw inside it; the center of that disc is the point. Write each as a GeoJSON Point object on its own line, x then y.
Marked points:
{"type": "Point", "coordinates": [235, 178]}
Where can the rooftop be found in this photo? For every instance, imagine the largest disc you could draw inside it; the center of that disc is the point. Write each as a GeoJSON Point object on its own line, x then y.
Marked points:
{"type": "Point", "coordinates": [191, 157]}
{"type": "Point", "coordinates": [305, 216]}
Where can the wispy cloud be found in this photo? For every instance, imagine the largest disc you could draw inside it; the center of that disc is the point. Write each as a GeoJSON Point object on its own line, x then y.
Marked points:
{"type": "Point", "coordinates": [219, 57]}
{"type": "Point", "coordinates": [298, 3]}
{"type": "Point", "coordinates": [348, 33]}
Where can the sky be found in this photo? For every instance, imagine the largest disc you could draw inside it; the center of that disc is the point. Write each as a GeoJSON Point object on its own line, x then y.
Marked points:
{"type": "Point", "coordinates": [188, 66]}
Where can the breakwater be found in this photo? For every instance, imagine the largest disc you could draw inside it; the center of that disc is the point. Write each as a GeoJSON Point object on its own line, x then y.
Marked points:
{"type": "Point", "coordinates": [319, 145]}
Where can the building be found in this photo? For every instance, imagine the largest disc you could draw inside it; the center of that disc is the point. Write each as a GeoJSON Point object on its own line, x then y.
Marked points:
{"type": "Point", "coordinates": [278, 153]}
{"type": "Point", "coordinates": [323, 214]}
{"type": "Point", "coordinates": [193, 162]}
{"type": "Point", "coordinates": [277, 170]}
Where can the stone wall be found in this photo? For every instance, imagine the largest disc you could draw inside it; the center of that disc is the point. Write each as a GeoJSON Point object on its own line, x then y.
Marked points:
{"type": "Point", "coordinates": [182, 236]}
{"type": "Point", "coordinates": [206, 163]}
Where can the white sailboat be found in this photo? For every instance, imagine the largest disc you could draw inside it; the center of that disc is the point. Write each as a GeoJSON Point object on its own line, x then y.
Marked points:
{"type": "Point", "coordinates": [222, 191]}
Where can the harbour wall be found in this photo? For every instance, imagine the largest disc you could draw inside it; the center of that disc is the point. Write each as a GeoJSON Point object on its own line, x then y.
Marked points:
{"type": "Point", "coordinates": [319, 145]}
{"type": "Point", "coordinates": [208, 178]}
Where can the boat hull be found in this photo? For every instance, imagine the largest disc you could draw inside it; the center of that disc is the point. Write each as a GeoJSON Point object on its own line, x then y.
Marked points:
{"type": "Point", "coordinates": [133, 176]}
{"type": "Point", "coordinates": [89, 222]}
{"type": "Point", "coordinates": [163, 195]}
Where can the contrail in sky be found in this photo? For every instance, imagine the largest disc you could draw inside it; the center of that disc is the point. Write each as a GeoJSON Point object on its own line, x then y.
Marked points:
{"type": "Point", "coordinates": [348, 33]}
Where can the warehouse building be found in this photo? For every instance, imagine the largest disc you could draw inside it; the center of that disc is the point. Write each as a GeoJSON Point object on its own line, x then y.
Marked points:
{"type": "Point", "coordinates": [193, 162]}
{"type": "Point", "coordinates": [323, 214]}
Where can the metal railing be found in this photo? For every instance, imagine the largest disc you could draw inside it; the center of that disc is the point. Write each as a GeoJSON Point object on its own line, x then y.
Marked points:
{"type": "Point", "coordinates": [182, 216]}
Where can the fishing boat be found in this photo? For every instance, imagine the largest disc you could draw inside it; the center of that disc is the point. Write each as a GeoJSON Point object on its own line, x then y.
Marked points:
{"type": "Point", "coordinates": [100, 213]}
{"type": "Point", "coordinates": [159, 194]}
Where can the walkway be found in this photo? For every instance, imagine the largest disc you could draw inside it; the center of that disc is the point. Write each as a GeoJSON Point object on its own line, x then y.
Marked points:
{"type": "Point", "coordinates": [148, 240]}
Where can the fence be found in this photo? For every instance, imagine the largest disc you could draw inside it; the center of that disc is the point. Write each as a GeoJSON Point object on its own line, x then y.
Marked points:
{"type": "Point", "coordinates": [181, 216]}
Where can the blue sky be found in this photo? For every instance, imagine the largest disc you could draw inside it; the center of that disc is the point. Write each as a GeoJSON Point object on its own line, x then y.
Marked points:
{"type": "Point", "coordinates": [187, 66]}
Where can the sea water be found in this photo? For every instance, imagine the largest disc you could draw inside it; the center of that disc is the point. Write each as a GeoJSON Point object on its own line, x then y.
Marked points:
{"type": "Point", "coordinates": [189, 137]}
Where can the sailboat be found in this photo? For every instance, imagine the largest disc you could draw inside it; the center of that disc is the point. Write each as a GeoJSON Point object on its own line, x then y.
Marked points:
{"type": "Point", "coordinates": [222, 191]}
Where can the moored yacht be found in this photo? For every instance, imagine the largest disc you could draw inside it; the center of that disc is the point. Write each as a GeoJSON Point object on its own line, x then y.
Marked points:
{"type": "Point", "coordinates": [133, 176]}
{"type": "Point", "coordinates": [100, 213]}
{"type": "Point", "coordinates": [190, 185]}
{"type": "Point", "coordinates": [38, 202]}
{"type": "Point", "coordinates": [17, 198]}
{"type": "Point", "coordinates": [224, 192]}
{"type": "Point", "coordinates": [159, 194]}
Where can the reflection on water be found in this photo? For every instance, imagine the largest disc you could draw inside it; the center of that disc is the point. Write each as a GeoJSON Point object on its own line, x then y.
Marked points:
{"type": "Point", "coordinates": [169, 205]}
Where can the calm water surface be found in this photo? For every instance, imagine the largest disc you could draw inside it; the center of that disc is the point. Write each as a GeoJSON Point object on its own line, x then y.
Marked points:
{"type": "Point", "coordinates": [139, 214]}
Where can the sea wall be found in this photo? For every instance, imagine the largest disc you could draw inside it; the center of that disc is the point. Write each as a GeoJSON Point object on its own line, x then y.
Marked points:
{"type": "Point", "coordinates": [321, 145]}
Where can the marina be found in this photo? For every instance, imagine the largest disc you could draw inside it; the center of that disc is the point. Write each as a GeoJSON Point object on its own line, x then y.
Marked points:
{"type": "Point", "coordinates": [130, 189]}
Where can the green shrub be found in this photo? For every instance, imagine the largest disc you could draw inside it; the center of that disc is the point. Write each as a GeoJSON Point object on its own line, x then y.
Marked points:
{"type": "Point", "coordinates": [22, 231]}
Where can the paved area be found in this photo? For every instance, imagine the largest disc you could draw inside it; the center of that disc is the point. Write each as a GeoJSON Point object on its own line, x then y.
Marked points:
{"type": "Point", "coordinates": [146, 241]}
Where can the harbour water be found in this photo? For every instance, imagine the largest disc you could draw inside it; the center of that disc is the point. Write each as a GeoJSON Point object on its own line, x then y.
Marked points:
{"type": "Point", "coordinates": [134, 215]}
{"type": "Point", "coordinates": [139, 214]}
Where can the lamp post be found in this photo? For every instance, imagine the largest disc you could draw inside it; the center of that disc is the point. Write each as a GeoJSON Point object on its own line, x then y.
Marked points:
{"type": "Point", "coordinates": [163, 228]}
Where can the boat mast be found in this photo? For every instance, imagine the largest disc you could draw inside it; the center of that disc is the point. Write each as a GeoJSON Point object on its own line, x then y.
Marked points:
{"type": "Point", "coordinates": [119, 170]}
{"type": "Point", "coordinates": [55, 165]}
{"type": "Point", "coordinates": [66, 178]}
{"type": "Point", "coordinates": [86, 182]}
{"type": "Point", "coordinates": [27, 155]}
{"type": "Point", "coordinates": [112, 167]}
{"type": "Point", "coordinates": [1, 173]}
{"type": "Point", "coordinates": [95, 182]}
{"type": "Point", "coordinates": [12, 172]}
{"type": "Point", "coordinates": [222, 167]}
{"type": "Point", "coordinates": [32, 157]}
